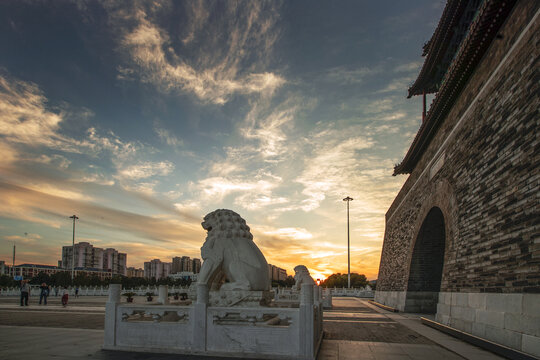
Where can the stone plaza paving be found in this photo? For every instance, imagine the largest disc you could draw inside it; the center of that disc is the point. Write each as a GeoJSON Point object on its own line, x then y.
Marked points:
{"type": "Point", "coordinates": [353, 329]}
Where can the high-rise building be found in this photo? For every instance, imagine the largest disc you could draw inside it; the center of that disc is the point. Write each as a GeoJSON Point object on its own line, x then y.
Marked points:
{"type": "Point", "coordinates": [176, 265]}
{"type": "Point", "coordinates": [114, 261]}
{"type": "Point", "coordinates": [276, 273]}
{"type": "Point", "coordinates": [186, 264]}
{"type": "Point", "coordinates": [157, 269]}
{"type": "Point", "coordinates": [133, 272]}
{"type": "Point", "coordinates": [86, 256]}
{"type": "Point", "coordinates": [89, 257]}
{"type": "Point", "coordinates": [196, 265]}
{"type": "Point", "coordinates": [122, 264]}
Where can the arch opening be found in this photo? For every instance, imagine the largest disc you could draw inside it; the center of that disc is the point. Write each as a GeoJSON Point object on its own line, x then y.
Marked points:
{"type": "Point", "coordinates": [427, 262]}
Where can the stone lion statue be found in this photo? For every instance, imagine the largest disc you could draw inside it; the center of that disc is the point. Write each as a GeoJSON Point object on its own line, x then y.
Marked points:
{"type": "Point", "coordinates": [301, 276]}
{"type": "Point", "coordinates": [229, 253]}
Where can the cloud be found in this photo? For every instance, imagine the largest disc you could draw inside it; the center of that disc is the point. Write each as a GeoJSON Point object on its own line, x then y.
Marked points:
{"type": "Point", "coordinates": [398, 84]}
{"type": "Point", "coordinates": [154, 58]}
{"type": "Point", "coordinates": [26, 239]}
{"type": "Point", "coordinates": [35, 206]}
{"type": "Point", "coordinates": [345, 76]}
{"type": "Point", "coordinates": [217, 188]}
{"type": "Point", "coordinates": [293, 233]}
{"type": "Point", "coordinates": [24, 117]}
{"type": "Point", "coordinates": [413, 67]}
{"type": "Point", "coordinates": [169, 138]}
{"type": "Point", "coordinates": [145, 170]}
{"type": "Point", "coordinates": [269, 130]}
{"type": "Point", "coordinates": [332, 168]}
{"type": "Point", "coordinates": [58, 160]}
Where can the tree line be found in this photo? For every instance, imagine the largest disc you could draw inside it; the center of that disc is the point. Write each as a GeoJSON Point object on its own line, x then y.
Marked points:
{"type": "Point", "coordinates": [63, 278]}
{"type": "Point", "coordinates": [340, 280]}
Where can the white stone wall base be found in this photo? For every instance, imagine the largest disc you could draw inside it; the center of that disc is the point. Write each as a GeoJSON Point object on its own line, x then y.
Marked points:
{"type": "Point", "coordinates": [394, 299]}
{"type": "Point", "coordinates": [511, 320]}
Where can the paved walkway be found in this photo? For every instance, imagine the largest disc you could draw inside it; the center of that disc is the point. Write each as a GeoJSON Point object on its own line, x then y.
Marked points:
{"type": "Point", "coordinates": [354, 329]}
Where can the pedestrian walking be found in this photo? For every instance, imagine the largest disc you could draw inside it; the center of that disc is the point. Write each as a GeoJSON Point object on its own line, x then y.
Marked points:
{"type": "Point", "coordinates": [65, 297]}
{"type": "Point", "coordinates": [77, 291]}
{"type": "Point", "coordinates": [44, 293]}
{"type": "Point", "coordinates": [25, 290]}
{"type": "Point", "coordinates": [56, 290]}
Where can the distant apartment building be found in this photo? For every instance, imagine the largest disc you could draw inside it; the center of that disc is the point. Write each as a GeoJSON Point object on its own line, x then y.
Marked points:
{"type": "Point", "coordinates": [185, 264]}
{"type": "Point", "coordinates": [196, 265]}
{"type": "Point", "coordinates": [276, 273]}
{"type": "Point", "coordinates": [133, 272]}
{"type": "Point", "coordinates": [114, 261]}
{"type": "Point", "coordinates": [86, 256]}
{"type": "Point", "coordinates": [157, 269]}
{"type": "Point", "coordinates": [89, 257]}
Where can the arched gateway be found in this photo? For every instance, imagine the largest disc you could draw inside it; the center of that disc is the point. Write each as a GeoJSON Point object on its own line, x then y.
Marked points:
{"type": "Point", "coordinates": [474, 159]}
{"type": "Point", "coordinates": [426, 266]}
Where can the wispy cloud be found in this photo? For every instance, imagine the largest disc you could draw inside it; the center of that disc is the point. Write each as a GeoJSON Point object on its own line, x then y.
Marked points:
{"type": "Point", "coordinates": [145, 170]}
{"type": "Point", "coordinates": [154, 58]}
{"type": "Point", "coordinates": [333, 166]}
{"type": "Point", "coordinates": [168, 137]}
{"type": "Point", "coordinates": [345, 76]}
{"type": "Point", "coordinates": [50, 209]}
{"type": "Point", "coordinates": [24, 117]}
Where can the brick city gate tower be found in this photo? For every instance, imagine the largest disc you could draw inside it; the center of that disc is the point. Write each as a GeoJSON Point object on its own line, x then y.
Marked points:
{"type": "Point", "coordinates": [462, 237]}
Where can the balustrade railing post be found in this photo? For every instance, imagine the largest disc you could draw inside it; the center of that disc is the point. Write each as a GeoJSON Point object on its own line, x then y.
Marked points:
{"type": "Point", "coordinates": [111, 315]}
{"type": "Point", "coordinates": [163, 292]}
{"type": "Point", "coordinates": [306, 326]}
{"type": "Point", "coordinates": [199, 313]}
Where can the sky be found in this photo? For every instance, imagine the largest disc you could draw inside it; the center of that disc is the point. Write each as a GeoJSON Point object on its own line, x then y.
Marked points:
{"type": "Point", "coordinates": [142, 117]}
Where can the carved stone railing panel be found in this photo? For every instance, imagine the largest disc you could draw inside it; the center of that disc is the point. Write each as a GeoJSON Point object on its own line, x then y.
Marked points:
{"type": "Point", "coordinates": [153, 314]}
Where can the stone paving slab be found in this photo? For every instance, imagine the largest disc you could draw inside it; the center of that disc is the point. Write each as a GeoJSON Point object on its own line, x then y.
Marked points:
{"type": "Point", "coordinates": [77, 308]}
{"type": "Point", "coordinates": [74, 320]}
{"type": "Point", "coordinates": [31, 343]}
{"type": "Point", "coordinates": [349, 350]}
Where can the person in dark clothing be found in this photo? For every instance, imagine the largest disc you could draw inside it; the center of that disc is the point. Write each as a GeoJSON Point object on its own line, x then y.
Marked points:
{"type": "Point", "coordinates": [65, 297]}
{"type": "Point", "coordinates": [43, 293]}
{"type": "Point", "coordinates": [25, 290]}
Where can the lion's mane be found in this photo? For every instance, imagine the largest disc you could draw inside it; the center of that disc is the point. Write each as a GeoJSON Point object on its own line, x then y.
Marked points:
{"type": "Point", "coordinates": [227, 224]}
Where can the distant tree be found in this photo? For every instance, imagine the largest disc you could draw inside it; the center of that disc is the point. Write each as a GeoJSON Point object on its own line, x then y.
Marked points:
{"type": "Point", "coordinates": [94, 280]}
{"type": "Point", "coordinates": [340, 280]}
{"type": "Point", "coordinates": [81, 280]}
{"type": "Point", "coordinates": [289, 281]}
{"type": "Point", "coordinates": [62, 278]}
{"type": "Point", "coordinates": [7, 281]}
{"type": "Point", "coordinates": [41, 278]}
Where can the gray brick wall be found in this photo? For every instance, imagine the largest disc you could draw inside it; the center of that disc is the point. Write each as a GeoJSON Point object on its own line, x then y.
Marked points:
{"type": "Point", "coordinates": [488, 184]}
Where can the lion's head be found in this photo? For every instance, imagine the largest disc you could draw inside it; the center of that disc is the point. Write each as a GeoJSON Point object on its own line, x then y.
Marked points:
{"type": "Point", "coordinates": [302, 276]}
{"type": "Point", "coordinates": [225, 223]}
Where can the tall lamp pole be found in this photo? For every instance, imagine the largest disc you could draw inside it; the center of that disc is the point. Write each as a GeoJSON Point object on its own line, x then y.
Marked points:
{"type": "Point", "coordinates": [74, 217]}
{"type": "Point", "coordinates": [348, 199]}
{"type": "Point", "coordinates": [13, 267]}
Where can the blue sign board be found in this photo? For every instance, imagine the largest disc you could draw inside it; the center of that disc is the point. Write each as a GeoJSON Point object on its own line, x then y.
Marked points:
{"type": "Point", "coordinates": [17, 277]}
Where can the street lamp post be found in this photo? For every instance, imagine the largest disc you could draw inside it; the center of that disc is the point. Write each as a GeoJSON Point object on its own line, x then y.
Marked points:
{"type": "Point", "coordinates": [348, 199]}
{"type": "Point", "coordinates": [13, 266]}
{"type": "Point", "coordinates": [74, 217]}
